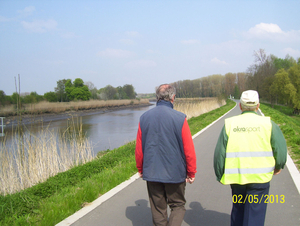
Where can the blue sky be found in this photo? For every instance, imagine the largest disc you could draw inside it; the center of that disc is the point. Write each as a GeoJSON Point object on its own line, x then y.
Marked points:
{"type": "Point", "coordinates": [143, 43]}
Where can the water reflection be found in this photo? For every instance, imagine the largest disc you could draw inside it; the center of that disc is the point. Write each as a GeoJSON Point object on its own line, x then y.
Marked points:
{"type": "Point", "coordinates": [104, 130]}
{"type": "Point", "coordinates": [113, 129]}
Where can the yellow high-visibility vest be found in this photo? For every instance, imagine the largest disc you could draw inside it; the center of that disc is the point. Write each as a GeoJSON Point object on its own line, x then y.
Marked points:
{"type": "Point", "coordinates": [249, 155]}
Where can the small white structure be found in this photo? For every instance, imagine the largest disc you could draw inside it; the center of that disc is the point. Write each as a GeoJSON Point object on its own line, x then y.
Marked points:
{"type": "Point", "coordinates": [2, 127]}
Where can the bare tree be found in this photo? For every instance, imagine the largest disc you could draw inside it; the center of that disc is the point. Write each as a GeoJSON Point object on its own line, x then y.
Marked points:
{"type": "Point", "coordinates": [92, 89]}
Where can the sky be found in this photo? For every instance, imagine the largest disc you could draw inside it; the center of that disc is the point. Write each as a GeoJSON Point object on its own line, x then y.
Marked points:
{"type": "Point", "coordinates": [142, 43]}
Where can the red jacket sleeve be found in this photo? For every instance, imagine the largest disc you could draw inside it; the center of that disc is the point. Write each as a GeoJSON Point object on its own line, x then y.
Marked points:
{"type": "Point", "coordinates": [189, 150]}
{"type": "Point", "coordinates": [139, 151]}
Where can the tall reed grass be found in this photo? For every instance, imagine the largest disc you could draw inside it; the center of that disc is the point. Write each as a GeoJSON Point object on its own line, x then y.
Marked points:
{"type": "Point", "coordinates": [194, 107]}
{"type": "Point", "coordinates": [58, 107]}
{"type": "Point", "coordinates": [31, 159]}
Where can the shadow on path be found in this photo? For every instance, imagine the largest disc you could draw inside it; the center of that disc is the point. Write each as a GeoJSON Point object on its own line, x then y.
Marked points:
{"type": "Point", "coordinates": [197, 215]}
{"type": "Point", "coordinates": [140, 215]}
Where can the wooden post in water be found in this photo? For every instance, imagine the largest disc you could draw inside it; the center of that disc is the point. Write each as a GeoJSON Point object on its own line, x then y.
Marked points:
{"type": "Point", "coordinates": [2, 127]}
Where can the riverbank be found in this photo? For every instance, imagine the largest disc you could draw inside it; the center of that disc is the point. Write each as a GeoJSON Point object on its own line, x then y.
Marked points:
{"type": "Point", "coordinates": [26, 119]}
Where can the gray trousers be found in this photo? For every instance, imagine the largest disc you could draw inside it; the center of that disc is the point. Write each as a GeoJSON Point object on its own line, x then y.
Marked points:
{"type": "Point", "coordinates": [163, 194]}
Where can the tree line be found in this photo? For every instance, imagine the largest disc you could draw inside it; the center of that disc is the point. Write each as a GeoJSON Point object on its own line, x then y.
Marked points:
{"type": "Point", "coordinates": [277, 81]}
{"type": "Point", "coordinates": [68, 90]}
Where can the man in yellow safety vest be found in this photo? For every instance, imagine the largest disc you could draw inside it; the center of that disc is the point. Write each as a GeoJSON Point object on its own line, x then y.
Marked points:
{"type": "Point", "coordinates": [250, 150]}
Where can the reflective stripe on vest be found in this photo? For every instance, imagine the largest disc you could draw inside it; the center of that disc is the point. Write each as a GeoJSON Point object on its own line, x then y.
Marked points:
{"type": "Point", "coordinates": [249, 171]}
{"type": "Point", "coordinates": [249, 155]}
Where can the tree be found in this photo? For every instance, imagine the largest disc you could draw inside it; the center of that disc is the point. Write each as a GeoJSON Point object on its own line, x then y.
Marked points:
{"type": "Point", "coordinates": [242, 81]}
{"type": "Point", "coordinates": [51, 96]}
{"type": "Point", "coordinates": [92, 89]}
{"type": "Point", "coordinates": [120, 93]}
{"type": "Point", "coordinates": [294, 74]}
{"type": "Point", "coordinates": [80, 93]}
{"type": "Point", "coordinates": [261, 74]}
{"type": "Point", "coordinates": [236, 93]}
{"type": "Point", "coordinates": [205, 91]}
{"type": "Point", "coordinates": [282, 89]}
{"type": "Point", "coordinates": [33, 97]}
{"type": "Point", "coordinates": [108, 92]}
{"type": "Point", "coordinates": [77, 90]}
{"type": "Point", "coordinates": [2, 97]}
{"type": "Point", "coordinates": [285, 63]}
{"type": "Point", "coordinates": [230, 81]}
{"type": "Point", "coordinates": [290, 94]}
{"type": "Point", "coordinates": [217, 87]}
{"type": "Point", "coordinates": [78, 82]}
{"type": "Point", "coordinates": [129, 91]}
{"type": "Point", "coordinates": [15, 97]}
{"type": "Point", "coordinates": [60, 90]}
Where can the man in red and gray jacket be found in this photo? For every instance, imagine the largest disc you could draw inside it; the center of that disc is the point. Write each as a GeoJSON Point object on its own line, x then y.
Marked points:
{"type": "Point", "coordinates": [165, 157]}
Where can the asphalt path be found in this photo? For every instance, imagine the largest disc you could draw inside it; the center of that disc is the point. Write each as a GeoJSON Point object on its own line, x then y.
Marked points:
{"type": "Point", "coordinates": [208, 201]}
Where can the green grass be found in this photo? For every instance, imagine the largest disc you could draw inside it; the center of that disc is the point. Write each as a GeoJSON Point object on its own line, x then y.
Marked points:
{"type": "Point", "coordinates": [281, 108]}
{"type": "Point", "coordinates": [60, 196]}
{"type": "Point", "coordinates": [290, 127]}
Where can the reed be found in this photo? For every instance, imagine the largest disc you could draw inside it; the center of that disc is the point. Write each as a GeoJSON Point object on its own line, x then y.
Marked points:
{"type": "Point", "coordinates": [58, 107]}
{"type": "Point", "coordinates": [31, 159]}
{"type": "Point", "coordinates": [194, 107]}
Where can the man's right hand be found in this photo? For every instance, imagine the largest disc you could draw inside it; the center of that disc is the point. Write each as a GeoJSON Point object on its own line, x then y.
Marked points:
{"type": "Point", "coordinates": [277, 171]}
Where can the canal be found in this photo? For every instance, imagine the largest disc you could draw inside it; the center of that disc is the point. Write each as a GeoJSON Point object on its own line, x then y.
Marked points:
{"type": "Point", "coordinates": [106, 130]}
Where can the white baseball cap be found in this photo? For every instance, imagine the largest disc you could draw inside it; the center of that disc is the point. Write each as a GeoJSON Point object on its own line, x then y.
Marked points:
{"type": "Point", "coordinates": [249, 98]}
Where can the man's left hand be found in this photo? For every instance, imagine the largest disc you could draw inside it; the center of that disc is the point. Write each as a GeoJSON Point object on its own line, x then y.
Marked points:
{"type": "Point", "coordinates": [190, 180]}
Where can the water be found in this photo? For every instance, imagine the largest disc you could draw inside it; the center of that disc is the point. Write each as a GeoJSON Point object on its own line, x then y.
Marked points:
{"type": "Point", "coordinates": [107, 130]}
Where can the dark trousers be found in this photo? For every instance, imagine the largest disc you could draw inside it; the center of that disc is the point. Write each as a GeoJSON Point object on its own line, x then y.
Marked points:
{"type": "Point", "coordinates": [249, 207]}
{"type": "Point", "coordinates": [163, 194]}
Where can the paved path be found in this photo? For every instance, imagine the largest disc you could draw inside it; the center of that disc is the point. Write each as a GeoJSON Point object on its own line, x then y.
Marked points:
{"type": "Point", "coordinates": [208, 202]}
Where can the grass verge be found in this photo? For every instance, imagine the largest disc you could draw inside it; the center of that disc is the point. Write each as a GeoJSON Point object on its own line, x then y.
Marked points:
{"type": "Point", "coordinates": [290, 127]}
{"type": "Point", "coordinates": [50, 202]}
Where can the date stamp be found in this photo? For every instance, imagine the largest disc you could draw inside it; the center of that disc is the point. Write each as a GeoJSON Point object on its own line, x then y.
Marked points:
{"type": "Point", "coordinates": [257, 199]}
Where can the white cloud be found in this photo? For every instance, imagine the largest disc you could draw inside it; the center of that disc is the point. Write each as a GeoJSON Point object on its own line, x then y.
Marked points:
{"type": "Point", "coordinates": [217, 61]}
{"type": "Point", "coordinates": [118, 53]}
{"type": "Point", "coordinates": [292, 52]}
{"type": "Point", "coordinates": [141, 64]}
{"type": "Point", "coordinates": [272, 32]}
{"type": "Point", "coordinates": [27, 11]}
{"type": "Point", "coordinates": [189, 42]}
{"type": "Point", "coordinates": [40, 26]}
{"type": "Point", "coordinates": [292, 36]}
{"type": "Point", "coordinates": [263, 28]}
